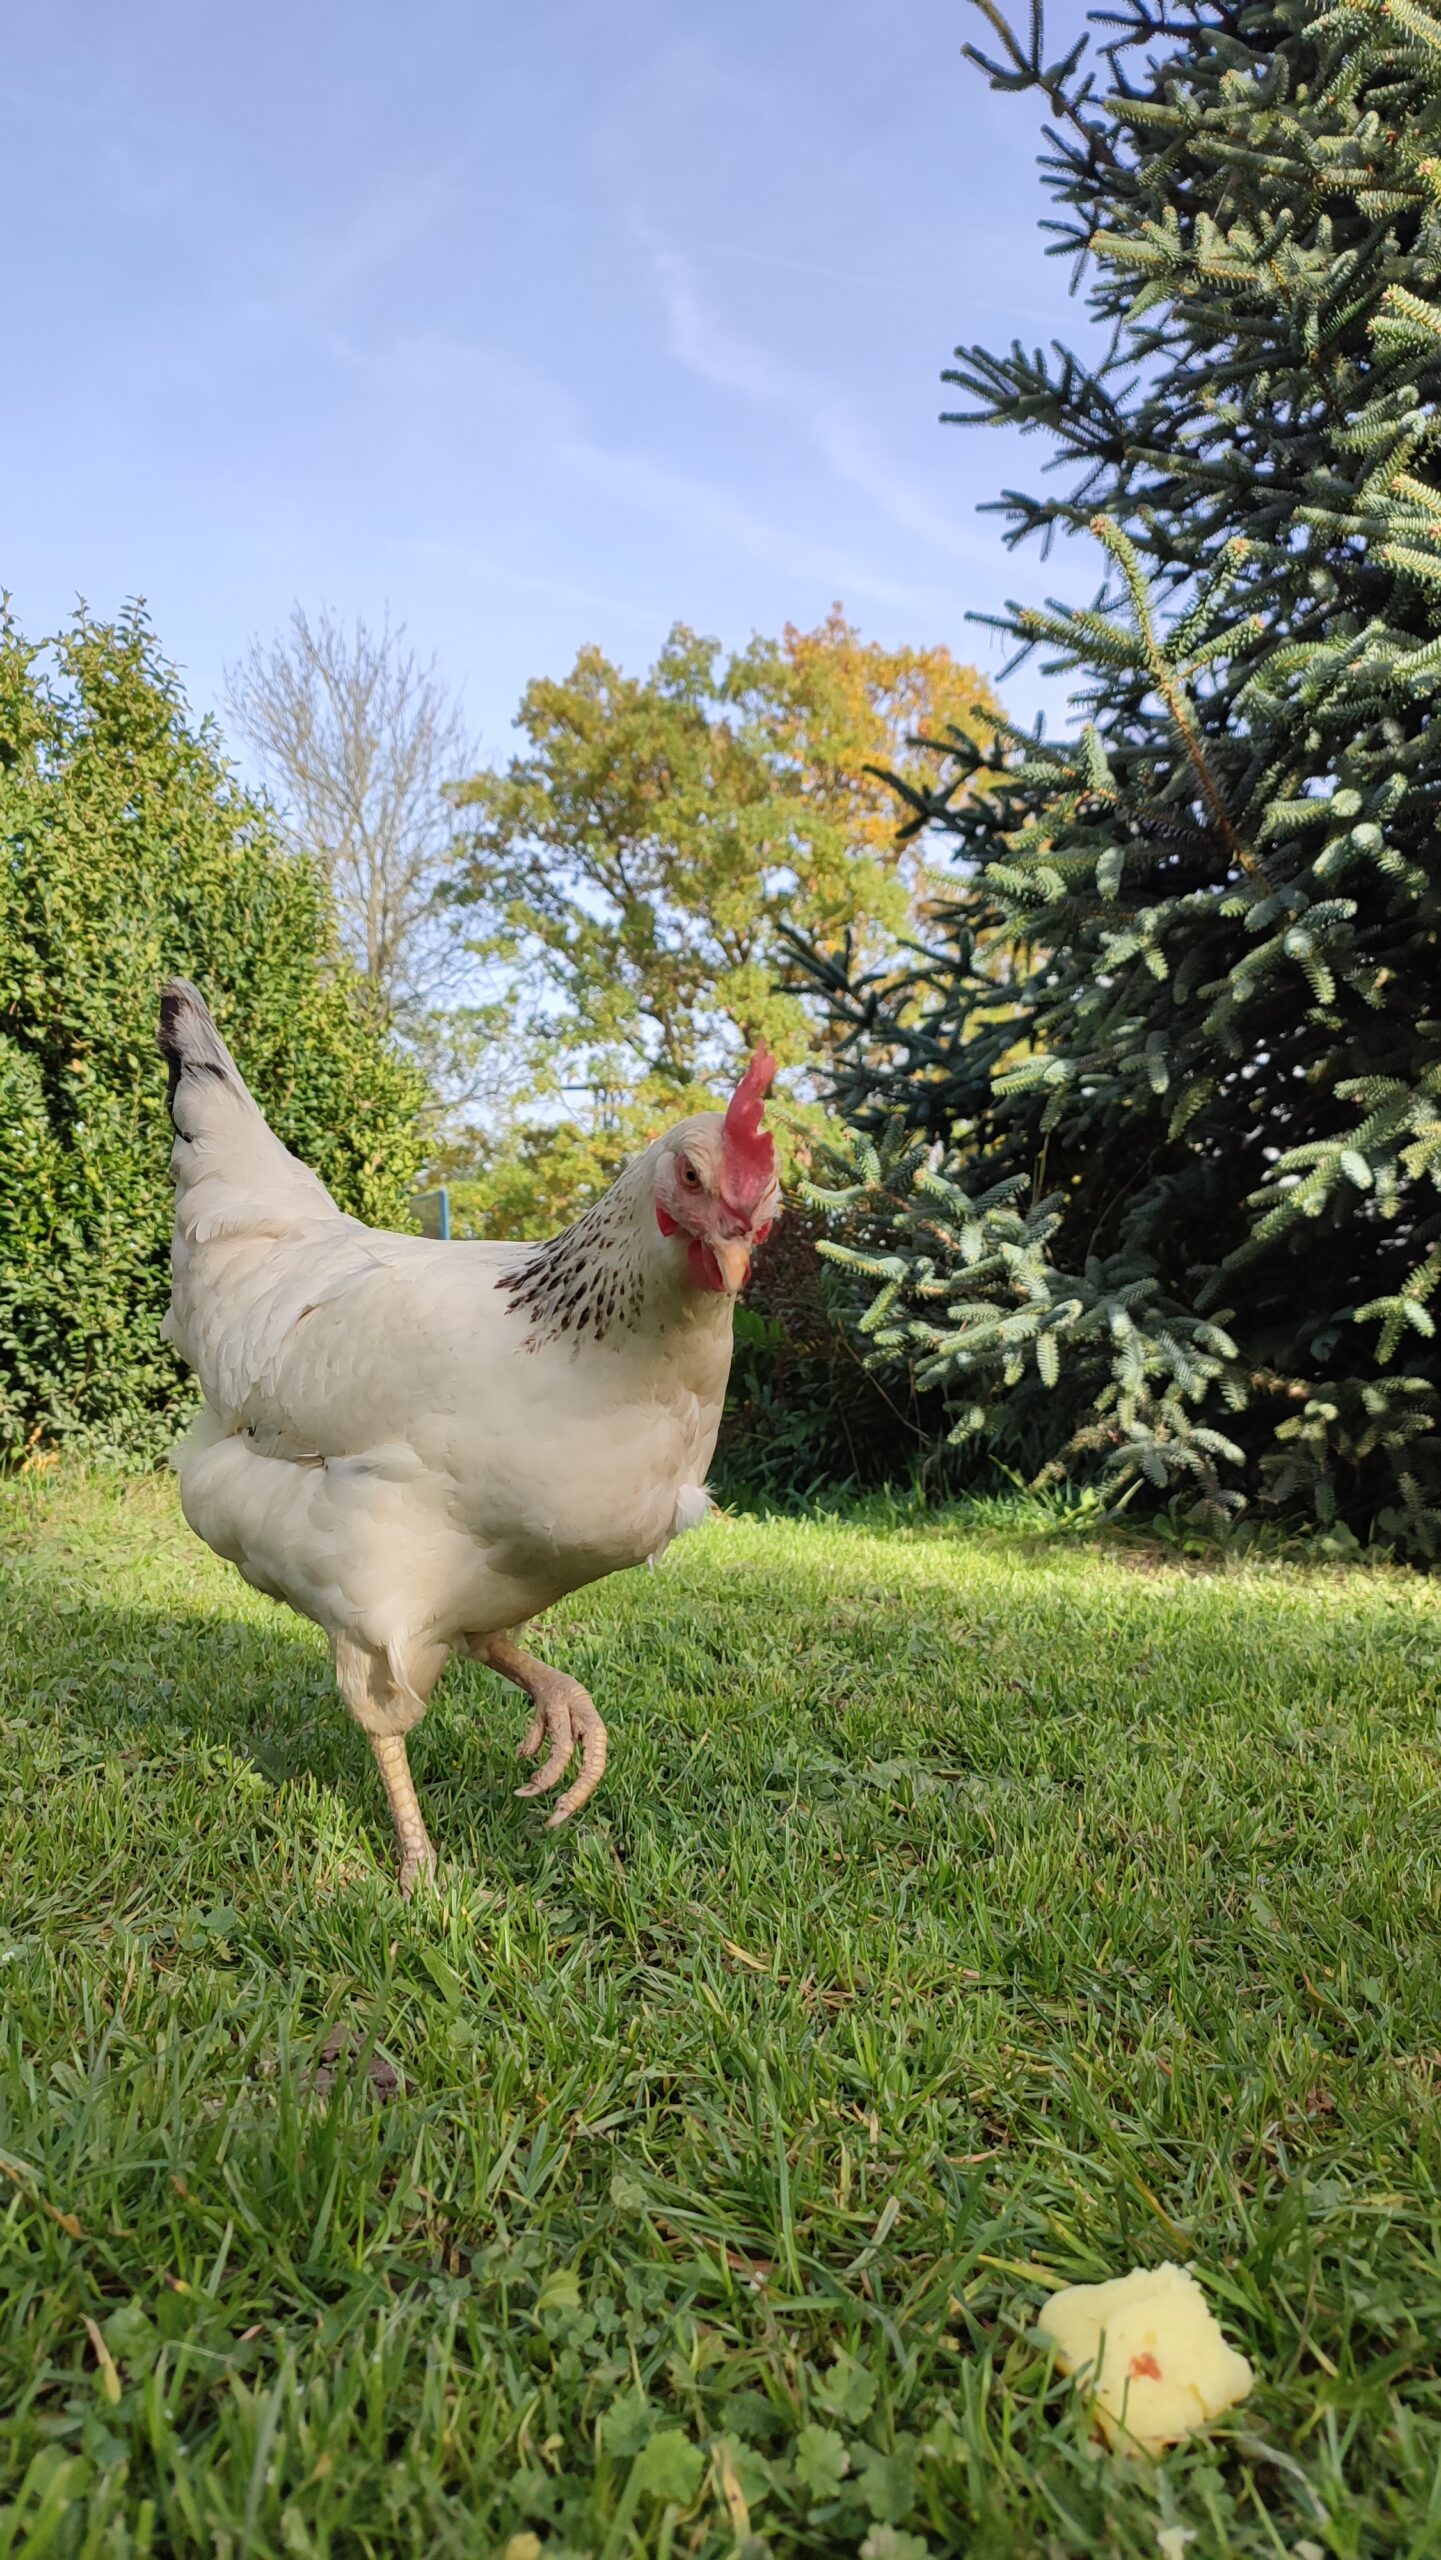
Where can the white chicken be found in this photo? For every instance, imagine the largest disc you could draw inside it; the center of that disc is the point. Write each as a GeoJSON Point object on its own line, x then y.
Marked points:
{"type": "Point", "coordinates": [422, 1445]}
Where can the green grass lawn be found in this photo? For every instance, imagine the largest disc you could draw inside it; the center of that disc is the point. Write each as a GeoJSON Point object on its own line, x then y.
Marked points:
{"type": "Point", "coordinates": [967, 1910]}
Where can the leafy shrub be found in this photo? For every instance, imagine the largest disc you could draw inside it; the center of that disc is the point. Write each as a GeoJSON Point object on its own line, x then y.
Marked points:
{"type": "Point", "coordinates": [131, 854]}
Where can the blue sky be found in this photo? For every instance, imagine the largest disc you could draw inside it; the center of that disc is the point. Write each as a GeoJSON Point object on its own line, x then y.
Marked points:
{"type": "Point", "coordinates": [536, 325]}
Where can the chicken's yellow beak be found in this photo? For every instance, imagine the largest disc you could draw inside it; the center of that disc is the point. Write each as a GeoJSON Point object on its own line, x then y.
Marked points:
{"type": "Point", "coordinates": [733, 1261]}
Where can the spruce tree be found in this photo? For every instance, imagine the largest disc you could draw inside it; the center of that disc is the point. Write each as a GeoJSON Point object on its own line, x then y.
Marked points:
{"type": "Point", "coordinates": [1149, 1137]}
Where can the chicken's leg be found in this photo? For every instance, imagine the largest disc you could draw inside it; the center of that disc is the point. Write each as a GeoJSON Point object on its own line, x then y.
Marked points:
{"type": "Point", "coordinates": [565, 1711]}
{"type": "Point", "coordinates": [386, 1704]}
{"type": "Point", "coordinates": [417, 1857]}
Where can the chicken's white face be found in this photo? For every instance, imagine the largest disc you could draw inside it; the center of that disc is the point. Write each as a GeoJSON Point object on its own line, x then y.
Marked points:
{"type": "Point", "coordinates": [716, 1187]}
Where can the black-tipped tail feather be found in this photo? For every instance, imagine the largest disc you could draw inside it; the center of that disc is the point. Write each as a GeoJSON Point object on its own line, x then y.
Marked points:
{"type": "Point", "coordinates": [190, 1044]}
{"type": "Point", "coordinates": [232, 1174]}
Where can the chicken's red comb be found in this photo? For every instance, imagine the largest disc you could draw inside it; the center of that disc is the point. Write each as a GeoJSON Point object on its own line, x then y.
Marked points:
{"type": "Point", "coordinates": [749, 1150]}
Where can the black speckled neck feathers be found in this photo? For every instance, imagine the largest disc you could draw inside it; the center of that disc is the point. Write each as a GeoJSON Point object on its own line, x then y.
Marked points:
{"type": "Point", "coordinates": [593, 1279]}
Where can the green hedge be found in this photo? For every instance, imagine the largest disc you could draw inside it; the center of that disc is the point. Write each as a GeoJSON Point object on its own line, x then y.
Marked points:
{"type": "Point", "coordinates": [131, 853]}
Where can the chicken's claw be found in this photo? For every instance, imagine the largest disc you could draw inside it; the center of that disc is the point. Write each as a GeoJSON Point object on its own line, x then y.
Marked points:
{"type": "Point", "coordinates": [593, 1742]}
{"type": "Point", "coordinates": [535, 1737]}
{"type": "Point", "coordinates": [567, 1713]}
{"type": "Point", "coordinates": [564, 1711]}
{"type": "Point", "coordinates": [417, 1867]}
{"type": "Point", "coordinates": [553, 1718]}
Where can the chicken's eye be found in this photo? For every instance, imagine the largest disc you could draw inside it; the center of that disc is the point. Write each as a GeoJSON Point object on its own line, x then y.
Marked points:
{"type": "Point", "coordinates": [689, 1175]}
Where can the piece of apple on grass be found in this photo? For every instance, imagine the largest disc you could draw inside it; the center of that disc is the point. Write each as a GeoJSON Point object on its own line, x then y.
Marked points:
{"type": "Point", "coordinates": [1148, 2352]}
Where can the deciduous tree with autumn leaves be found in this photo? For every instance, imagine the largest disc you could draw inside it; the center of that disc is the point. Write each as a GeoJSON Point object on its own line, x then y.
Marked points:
{"type": "Point", "coordinates": [631, 869]}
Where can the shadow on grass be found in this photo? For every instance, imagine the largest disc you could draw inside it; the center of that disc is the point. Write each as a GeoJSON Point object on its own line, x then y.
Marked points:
{"type": "Point", "coordinates": [120, 1674]}
{"type": "Point", "coordinates": [176, 1694]}
{"type": "Point", "coordinates": [168, 1759]}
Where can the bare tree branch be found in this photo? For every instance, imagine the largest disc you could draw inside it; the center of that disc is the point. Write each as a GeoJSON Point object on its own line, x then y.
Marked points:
{"type": "Point", "coordinates": [356, 737]}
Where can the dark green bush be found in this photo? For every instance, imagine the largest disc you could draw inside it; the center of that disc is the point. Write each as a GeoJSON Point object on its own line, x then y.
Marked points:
{"type": "Point", "coordinates": [131, 854]}
{"type": "Point", "coordinates": [806, 1417]}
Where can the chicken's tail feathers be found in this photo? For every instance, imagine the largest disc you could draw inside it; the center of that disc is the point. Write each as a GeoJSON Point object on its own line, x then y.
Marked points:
{"type": "Point", "coordinates": [190, 1044]}
{"type": "Point", "coordinates": [231, 1172]}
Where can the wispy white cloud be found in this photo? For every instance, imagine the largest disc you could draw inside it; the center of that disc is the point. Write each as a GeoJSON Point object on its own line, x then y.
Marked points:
{"type": "Point", "coordinates": [460, 375]}
{"type": "Point", "coordinates": [704, 512]}
{"type": "Point", "coordinates": [715, 353]}
{"type": "Point", "coordinates": [396, 217]}
{"type": "Point", "coordinates": [465, 560]}
{"type": "Point", "coordinates": [303, 302]}
{"type": "Point", "coordinates": [1011, 307]}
